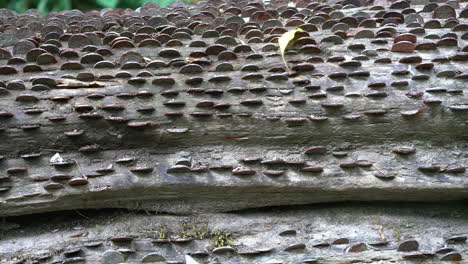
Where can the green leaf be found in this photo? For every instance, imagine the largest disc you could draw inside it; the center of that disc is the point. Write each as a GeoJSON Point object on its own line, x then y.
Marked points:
{"type": "Point", "coordinates": [42, 6]}
{"type": "Point", "coordinates": [65, 5]}
{"type": "Point", "coordinates": [283, 42]}
{"type": "Point", "coordinates": [108, 3]}
{"type": "Point", "coordinates": [162, 3]}
{"type": "Point", "coordinates": [19, 6]}
{"type": "Point", "coordinates": [133, 4]}
{"type": "Point", "coordinates": [3, 3]}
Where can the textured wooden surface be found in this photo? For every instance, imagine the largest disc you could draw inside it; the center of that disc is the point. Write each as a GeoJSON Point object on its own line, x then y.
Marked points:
{"type": "Point", "coordinates": [190, 109]}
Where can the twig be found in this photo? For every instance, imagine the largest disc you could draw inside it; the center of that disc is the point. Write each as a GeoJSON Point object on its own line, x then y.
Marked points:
{"type": "Point", "coordinates": [78, 212]}
{"type": "Point", "coordinates": [382, 235]}
{"type": "Point", "coordinates": [377, 169]}
{"type": "Point", "coordinates": [79, 169]}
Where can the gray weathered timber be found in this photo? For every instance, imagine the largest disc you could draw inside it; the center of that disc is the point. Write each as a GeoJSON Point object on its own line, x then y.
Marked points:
{"type": "Point", "coordinates": [179, 130]}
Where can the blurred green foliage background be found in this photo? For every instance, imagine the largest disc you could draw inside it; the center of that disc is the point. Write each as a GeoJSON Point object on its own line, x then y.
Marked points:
{"type": "Point", "coordinates": [46, 6]}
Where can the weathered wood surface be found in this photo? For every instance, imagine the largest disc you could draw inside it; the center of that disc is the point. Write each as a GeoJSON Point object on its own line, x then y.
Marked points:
{"type": "Point", "coordinates": [190, 109]}
{"type": "Point", "coordinates": [374, 233]}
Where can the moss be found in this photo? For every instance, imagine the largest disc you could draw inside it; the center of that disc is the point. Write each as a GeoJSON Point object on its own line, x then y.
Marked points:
{"type": "Point", "coordinates": [221, 239]}
{"type": "Point", "coordinates": [163, 232]}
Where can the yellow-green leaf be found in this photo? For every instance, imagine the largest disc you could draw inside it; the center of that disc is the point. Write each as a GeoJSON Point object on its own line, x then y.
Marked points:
{"type": "Point", "coordinates": [284, 40]}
